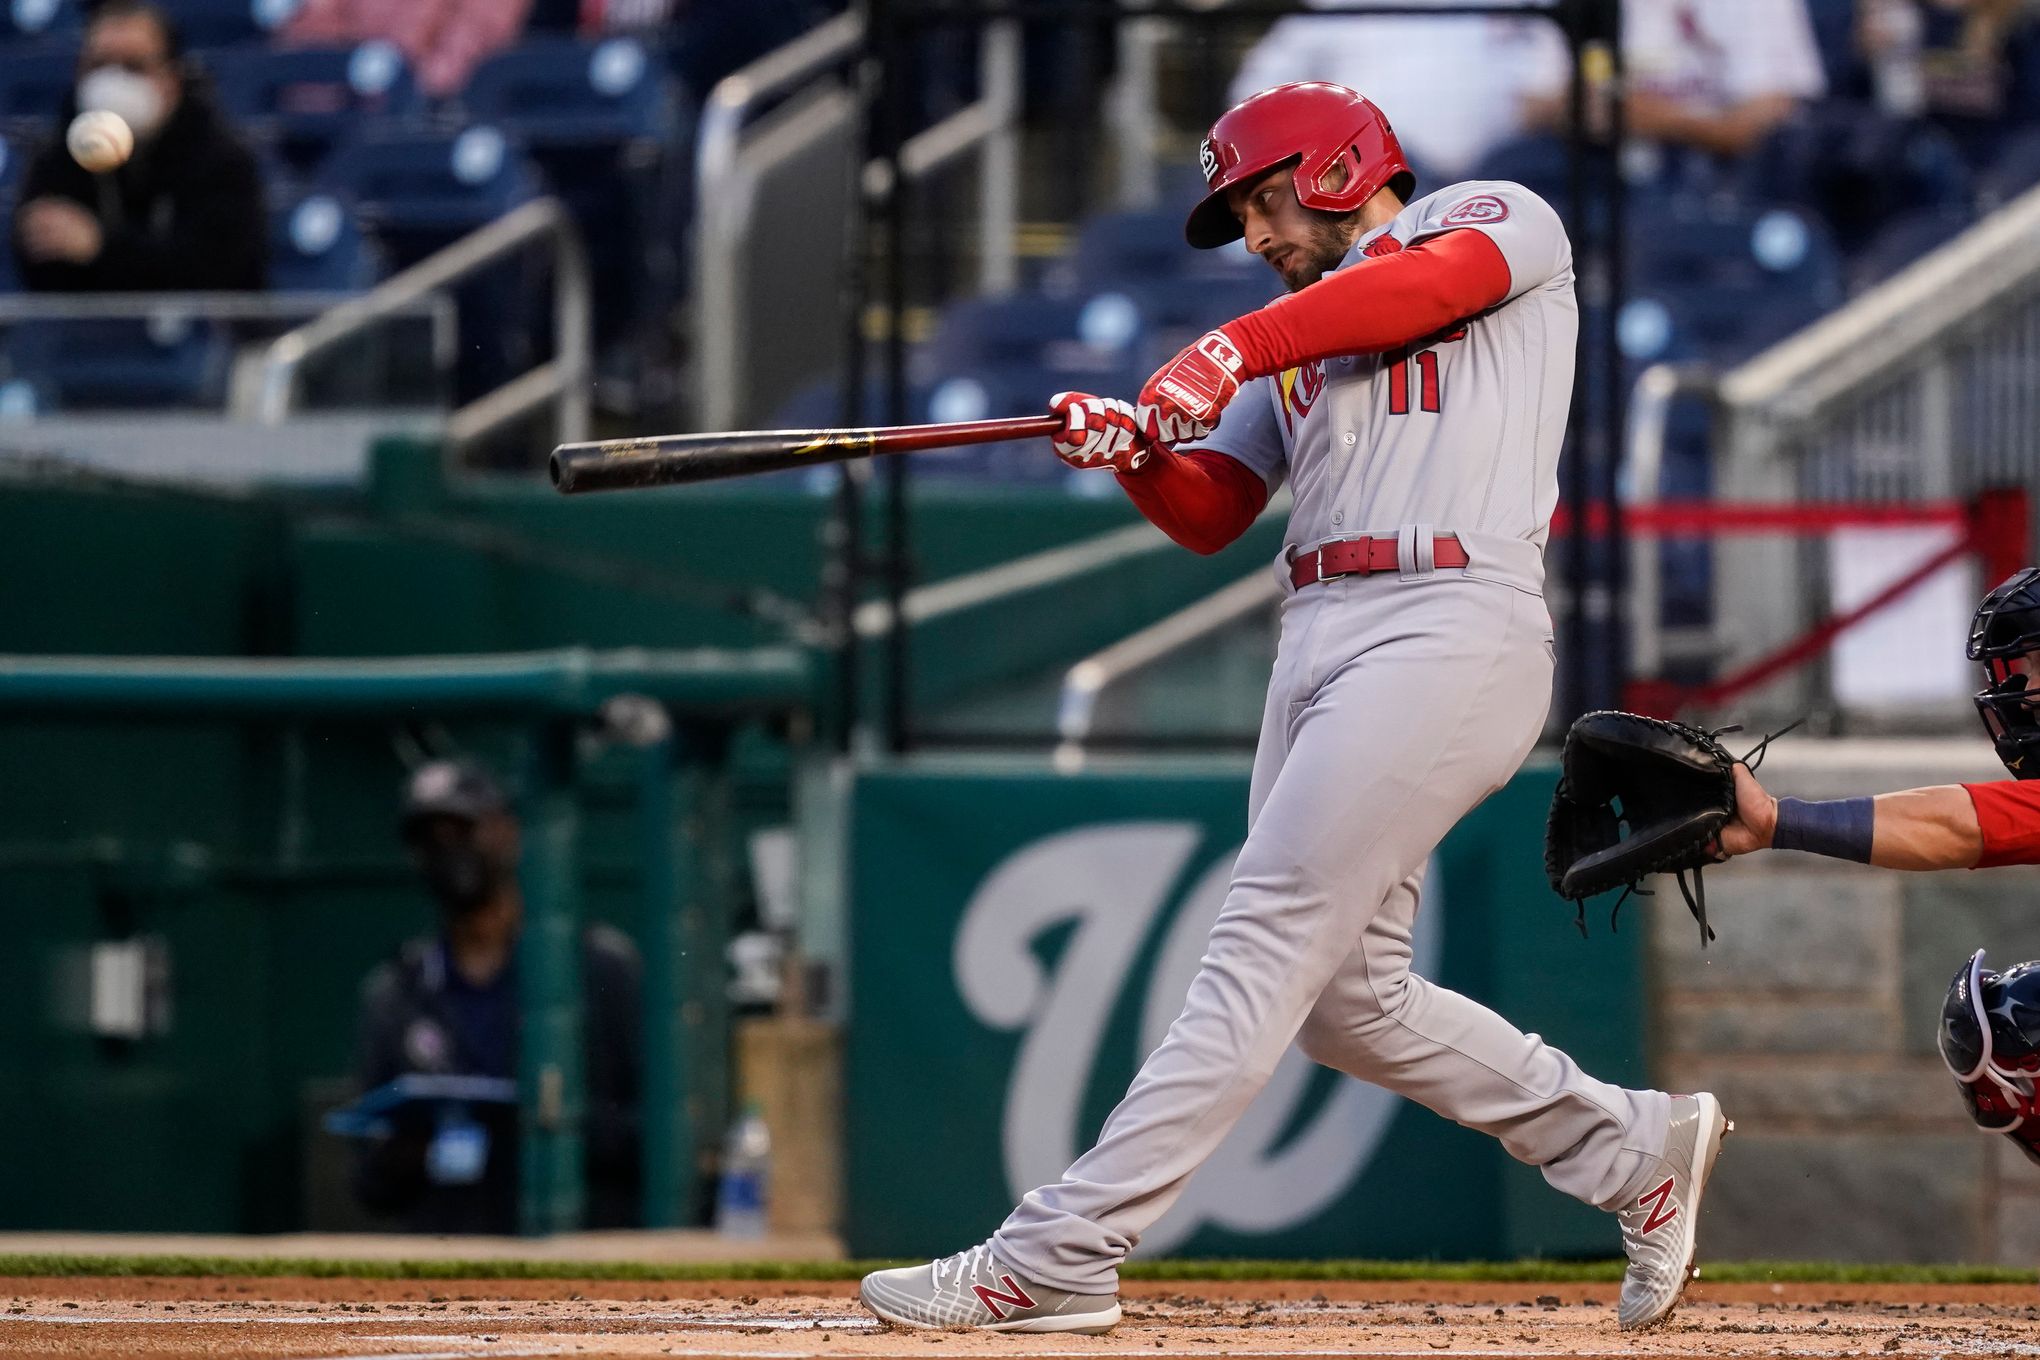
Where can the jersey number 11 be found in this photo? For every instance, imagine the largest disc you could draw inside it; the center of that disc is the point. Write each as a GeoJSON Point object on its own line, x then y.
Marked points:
{"type": "Point", "coordinates": [1427, 371]}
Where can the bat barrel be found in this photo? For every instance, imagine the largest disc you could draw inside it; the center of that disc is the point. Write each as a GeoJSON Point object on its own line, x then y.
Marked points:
{"type": "Point", "coordinates": [617, 464]}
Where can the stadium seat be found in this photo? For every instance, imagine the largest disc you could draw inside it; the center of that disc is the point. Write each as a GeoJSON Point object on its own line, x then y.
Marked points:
{"type": "Point", "coordinates": [562, 91]}
{"type": "Point", "coordinates": [119, 364]}
{"type": "Point", "coordinates": [35, 85]}
{"type": "Point", "coordinates": [222, 23]}
{"type": "Point", "coordinates": [1856, 167]}
{"type": "Point", "coordinates": [418, 192]}
{"type": "Point", "coordinates": [2015, 169]}
{"type": "Point", "coordinates": [315, 245]}
{"type": "Point", "coordinates": [13, 161]}
{"type": "Point", "coordinates": [1903, 241]}
{"type": "Point", "coordinates": [23, 19]}
{"type": "Point", "coordinates": [421, 190]}
{"type": "Point", "coordinates": [306, 101]}
{"type": "Point", "coordinates": [1118, 248]}
{"type": "Point", "coordinates": [598, 118]}
{"type": "Point", "coordinates": [1064, 332]}
{"type": "Point", "coordinates": [1687, 244]}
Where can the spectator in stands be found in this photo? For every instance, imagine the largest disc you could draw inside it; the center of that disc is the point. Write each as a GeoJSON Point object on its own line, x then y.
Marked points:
{"type": "Point", "coordinates": [1964, 64]}
{"type": "Point", "coordinates": [448, 1006]}
{"type": "Point", "coordinates": [444, 40]}
{"type": "Point", "coordinates": [1717, 76]}
{"type": "Point", "coordinates": [185, 211]}
{"type": "Point", "coordinates": [1457, 83]}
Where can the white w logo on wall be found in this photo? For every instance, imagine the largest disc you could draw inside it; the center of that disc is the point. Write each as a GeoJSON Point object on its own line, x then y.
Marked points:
{"type": "Point", "coordinates": [1108, 886]}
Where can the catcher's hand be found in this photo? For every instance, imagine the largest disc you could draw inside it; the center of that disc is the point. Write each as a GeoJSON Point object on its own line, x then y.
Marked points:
{"type": "Point", "coordinates": [1638, 796]}
{"type": "Point", "coordinates": [1755, 820]}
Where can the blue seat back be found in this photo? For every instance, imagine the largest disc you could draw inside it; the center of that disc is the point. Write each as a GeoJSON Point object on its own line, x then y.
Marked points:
{"type": "Point", "coordinates": [22, 19]}
{"type": "Point", "coordinates": [105, 364]}
{"type": "Point", "coordinates": [432, 185]}
{"type": "Point", "coordinates": [222, 23]}
{"type": "Point", "coordinates": [1684, 244]}
{"type": "Point", "coordinates": [563, 91]}
{"type": "Point", "coordinates": [316, 245]}
{"type": "Point", "coordinates": [35, 83]}
{"type": "Point", "coordinates": [315, 94]}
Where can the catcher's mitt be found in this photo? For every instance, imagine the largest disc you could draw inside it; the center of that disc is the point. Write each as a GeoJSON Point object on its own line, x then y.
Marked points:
{"type": "Point", "coordinates": [1671, 786]}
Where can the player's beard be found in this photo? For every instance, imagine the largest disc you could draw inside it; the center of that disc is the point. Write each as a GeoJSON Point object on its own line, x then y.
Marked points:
{"type": "Point", "coordinates": [1327, 239]}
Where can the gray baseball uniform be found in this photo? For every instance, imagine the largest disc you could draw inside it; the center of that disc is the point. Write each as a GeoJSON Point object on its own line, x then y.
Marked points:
{"type": "Point", "coordinates": [1399, 700]}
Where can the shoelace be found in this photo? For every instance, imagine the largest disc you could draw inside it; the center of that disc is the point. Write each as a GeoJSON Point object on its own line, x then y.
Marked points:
{"type": "Point", "coordinates": [964, 1263]}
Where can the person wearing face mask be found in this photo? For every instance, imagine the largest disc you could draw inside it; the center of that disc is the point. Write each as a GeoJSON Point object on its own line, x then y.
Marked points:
{"type": "Point", "coordinates": [185, 211]}
{"type": "Point", "coordinates": [447, 1005]}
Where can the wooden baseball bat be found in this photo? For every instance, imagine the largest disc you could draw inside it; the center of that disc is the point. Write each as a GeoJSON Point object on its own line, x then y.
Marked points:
{"type": "Point", "coordinates": [671, 460]}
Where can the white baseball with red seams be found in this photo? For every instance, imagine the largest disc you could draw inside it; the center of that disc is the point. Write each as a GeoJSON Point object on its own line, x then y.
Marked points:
{"type": "Point", "coordinates": [1399, 700]}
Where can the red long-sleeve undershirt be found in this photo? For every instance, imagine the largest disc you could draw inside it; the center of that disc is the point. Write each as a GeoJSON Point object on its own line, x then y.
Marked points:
{"type": "Point", "coordinates": [2008, 816]}
{"type": "Point", "coordinates": [1202, 500]}
{"type": "Point", "coordinates": [1375, 304]}
{"type": "Point", "coordinates": [1206, 500]}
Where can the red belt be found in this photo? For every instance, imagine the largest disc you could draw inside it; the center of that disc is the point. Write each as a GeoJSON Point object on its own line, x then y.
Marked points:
{"type": "Point", "coordinates": [1361, 556]}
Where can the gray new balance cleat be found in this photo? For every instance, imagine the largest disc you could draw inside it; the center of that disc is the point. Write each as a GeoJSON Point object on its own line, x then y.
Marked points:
{"type": "Point", "coordinates": [975, 1289]}
{"type": "Point", "coordinates": [1657, 1230]}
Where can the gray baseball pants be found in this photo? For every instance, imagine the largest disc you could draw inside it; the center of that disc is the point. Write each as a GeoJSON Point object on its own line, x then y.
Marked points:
{"type": "Point", "coordinates": [1395, 706]}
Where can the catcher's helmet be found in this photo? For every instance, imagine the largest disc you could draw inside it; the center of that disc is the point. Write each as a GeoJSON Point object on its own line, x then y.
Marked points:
{"type": "Point", "coordinates": [2006, 628]}
{"type": "Point", "coordinates": [1990, 1039]}
{"type": "Point", "coordinates": [1323, 128]}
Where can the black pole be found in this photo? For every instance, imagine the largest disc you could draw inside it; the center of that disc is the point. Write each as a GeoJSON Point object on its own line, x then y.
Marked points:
{"type": "Point", "coordinates": [844, 587]}
{"type": "Point", "coordinates": [1615, 671]}
{"type": "Point", "coordinates": [895, 85]}
{"type": "Point", "coordinates": [1576, 482]}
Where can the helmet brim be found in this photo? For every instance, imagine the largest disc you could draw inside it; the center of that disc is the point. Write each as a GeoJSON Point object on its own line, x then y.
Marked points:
{"type": "Point", "coordinates": [1211, 223]}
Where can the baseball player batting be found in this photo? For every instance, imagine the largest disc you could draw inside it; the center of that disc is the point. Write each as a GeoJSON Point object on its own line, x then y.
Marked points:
{"type": "Point", "coordinates": [1413, 390]}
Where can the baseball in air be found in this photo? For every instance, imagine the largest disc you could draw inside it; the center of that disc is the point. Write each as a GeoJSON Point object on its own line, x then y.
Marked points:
{"type": "Point", "coordinates": [100, 140]}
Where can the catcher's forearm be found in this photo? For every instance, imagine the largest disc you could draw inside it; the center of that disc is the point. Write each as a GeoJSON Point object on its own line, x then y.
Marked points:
{"type": "Point", "coordinates": [1842, 829]}
{"type": "Point", "coordinates": [1930, 828]}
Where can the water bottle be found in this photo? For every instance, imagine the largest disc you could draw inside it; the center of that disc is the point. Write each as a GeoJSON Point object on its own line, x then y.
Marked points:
{"type": "Point", "coordinates": [746, 1176]}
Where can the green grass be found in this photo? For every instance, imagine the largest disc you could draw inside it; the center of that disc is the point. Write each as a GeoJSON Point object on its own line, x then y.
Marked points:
{"type": "Point", "coordinates": [1495, 1272]}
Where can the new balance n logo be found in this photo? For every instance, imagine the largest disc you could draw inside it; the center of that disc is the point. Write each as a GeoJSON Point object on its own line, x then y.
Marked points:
{"type": "Point", "coordinates": [1661, 1213]}
{"type": "Point", "coordinates": [992, 1298]}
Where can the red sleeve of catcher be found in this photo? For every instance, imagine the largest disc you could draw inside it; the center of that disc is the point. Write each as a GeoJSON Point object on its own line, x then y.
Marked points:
{"type": "Point", "coordinates": [2008, 815]}
{"type": "Point", "coordinates": [1201, 499]}
{"type": "Point", "coordinates": [1376, 304]}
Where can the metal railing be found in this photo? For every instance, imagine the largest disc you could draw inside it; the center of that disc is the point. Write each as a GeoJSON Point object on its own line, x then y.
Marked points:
{"type": "Point", "coordinates": [737, 150]}
{"type": "Point", "coordinates": [18, 307]}
{"type": "Point", "coordinates": [1088, 680]}
{"type": "Point", "coordinates": [1926, 387]}
{"type": "Point", "coordinates": [272, 396]}
{"type": "Point", "coordinates": [1642, 486]}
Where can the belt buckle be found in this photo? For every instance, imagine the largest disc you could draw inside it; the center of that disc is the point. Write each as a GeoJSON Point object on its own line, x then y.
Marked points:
{"type": "Point", "coordinates": [1326, 544]}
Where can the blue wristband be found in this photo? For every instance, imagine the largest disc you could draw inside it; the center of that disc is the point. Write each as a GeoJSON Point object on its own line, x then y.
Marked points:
{"type": "Point", "coordinates": [1842, 829]}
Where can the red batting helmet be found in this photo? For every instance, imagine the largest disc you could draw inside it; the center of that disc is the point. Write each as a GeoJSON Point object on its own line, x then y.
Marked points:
{"type": "Point", "coordinates": [1316, 124]}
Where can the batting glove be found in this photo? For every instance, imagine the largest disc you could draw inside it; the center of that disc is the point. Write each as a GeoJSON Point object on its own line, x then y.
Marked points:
{"type": "Point", "coordinates": [1187, 394]}
{"type": "Point", "coordinates": [1098, 432]}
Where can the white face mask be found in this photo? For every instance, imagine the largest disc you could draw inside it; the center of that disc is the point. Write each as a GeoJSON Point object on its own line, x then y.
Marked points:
{"type": "Point", "coordinates": [120, 91]}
